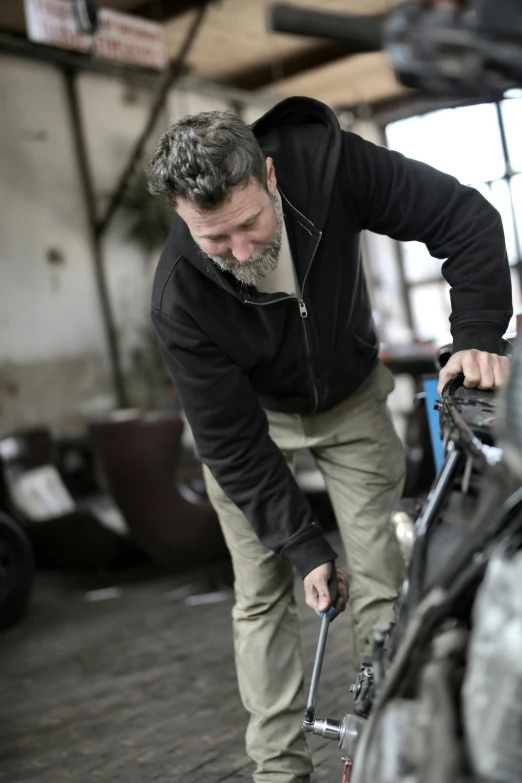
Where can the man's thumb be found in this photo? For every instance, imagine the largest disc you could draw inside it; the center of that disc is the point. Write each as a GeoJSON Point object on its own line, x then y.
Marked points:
{"type": "Point", "coordinates": [324, 598]}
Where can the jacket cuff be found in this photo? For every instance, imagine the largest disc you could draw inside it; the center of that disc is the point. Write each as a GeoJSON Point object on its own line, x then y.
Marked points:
{"type": "Point", "coordinates": [480, 338]}
{"type": "Point", "coordinates": [309, 554]}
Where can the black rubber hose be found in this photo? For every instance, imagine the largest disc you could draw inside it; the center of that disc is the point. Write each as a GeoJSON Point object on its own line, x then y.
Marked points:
{"type": "Point", "coordinates": [359, 33]}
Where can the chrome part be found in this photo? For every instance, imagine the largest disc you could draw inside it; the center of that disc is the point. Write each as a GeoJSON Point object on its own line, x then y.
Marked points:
{"type": "Point", "coordinates": [316, 673]}
{"type": "Point", "coordinates": [404, 528]}
{"type": "Point", "coordinates": [493, 454]}
{"type": "Point", "coordinates": [346, 733]}
{"type": "Point", "coordinates": [466, 478]}
{"type": "Point", "coordinates": [351, 729]}
{"type": "Point", "coordinates": [324, 727]}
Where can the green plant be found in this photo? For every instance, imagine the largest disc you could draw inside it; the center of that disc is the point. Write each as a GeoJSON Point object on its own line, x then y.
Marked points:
{"type": "Point", "coordinates": [149, 217]}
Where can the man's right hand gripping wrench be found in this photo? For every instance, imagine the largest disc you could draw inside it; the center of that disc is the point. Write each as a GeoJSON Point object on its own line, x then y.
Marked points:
{"type": "Point", "coordinates": [326, 592]}
{"type": "Point", "coordinates": [317, 591]}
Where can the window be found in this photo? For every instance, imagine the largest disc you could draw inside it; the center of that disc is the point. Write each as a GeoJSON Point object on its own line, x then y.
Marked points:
{"type": "Point", "coordinates": [481, 146]}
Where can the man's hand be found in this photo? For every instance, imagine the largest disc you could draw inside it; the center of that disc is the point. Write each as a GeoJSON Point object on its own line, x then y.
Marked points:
{"type": "Point", "coordinates": [316, 588]}
{"type": "Point", "coordinates": [481, 370]}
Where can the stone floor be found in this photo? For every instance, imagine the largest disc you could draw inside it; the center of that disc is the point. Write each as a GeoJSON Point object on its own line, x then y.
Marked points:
{"type": "Point", "coordinates": [139, 685]}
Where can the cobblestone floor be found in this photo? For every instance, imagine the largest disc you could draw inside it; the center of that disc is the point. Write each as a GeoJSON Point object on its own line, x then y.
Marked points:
{"type": "Point", "coordinates": [139, 687]}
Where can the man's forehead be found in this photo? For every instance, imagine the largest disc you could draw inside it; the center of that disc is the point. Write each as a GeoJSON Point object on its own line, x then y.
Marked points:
{"type": "Point", "coordinates": [238, 208]}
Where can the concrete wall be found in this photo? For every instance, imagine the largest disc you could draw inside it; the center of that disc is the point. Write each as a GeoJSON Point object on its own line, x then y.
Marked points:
{"type": "Point", "coordinates": [54, 364]}
{"type": "Point", "coordinates": [52, 356]}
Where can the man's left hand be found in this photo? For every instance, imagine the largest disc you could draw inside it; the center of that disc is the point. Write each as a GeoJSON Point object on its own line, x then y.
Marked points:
{"type": "Point", "coordinates": [481, 370]}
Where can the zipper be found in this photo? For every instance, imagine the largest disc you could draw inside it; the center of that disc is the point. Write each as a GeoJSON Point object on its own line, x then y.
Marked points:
{"type": "Point", "coordinates": [311, 260]}
{"type": "Point", "coordinates": [310, 368]}
{"type": "Point", "coordinates": [303, 312]}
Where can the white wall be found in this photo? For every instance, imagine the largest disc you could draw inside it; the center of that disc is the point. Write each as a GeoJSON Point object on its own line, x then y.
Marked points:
{"type": "Point", "coordinates": [54, 364]}
{"type": "Point", "coordinates": [47, 310]}
{"type": "Point", "coordinates": [52, 355]}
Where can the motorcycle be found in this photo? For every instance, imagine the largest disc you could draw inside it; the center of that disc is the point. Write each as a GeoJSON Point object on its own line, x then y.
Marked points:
{"type": "Point", "coordinates": [440, 699]}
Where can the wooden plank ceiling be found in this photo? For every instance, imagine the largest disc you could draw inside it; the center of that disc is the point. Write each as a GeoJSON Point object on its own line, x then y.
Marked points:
{"type": "Point", "coordinates": [234, 47]}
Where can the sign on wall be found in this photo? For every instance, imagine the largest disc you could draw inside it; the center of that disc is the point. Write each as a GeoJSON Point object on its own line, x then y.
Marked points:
{"type": "Point", "coordinates": [119, 37]}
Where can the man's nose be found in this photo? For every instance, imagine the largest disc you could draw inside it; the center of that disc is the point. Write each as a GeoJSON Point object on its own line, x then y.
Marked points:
{"type": "Point", "coordinates": [242, 251]}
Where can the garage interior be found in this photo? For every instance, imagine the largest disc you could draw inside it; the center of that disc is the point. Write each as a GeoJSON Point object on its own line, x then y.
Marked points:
{"type": "Point", "coordinates": [117, 657]}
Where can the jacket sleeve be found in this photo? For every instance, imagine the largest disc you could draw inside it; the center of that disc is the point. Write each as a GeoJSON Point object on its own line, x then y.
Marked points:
{"type": "Point", "coordinates": [408, 200]}
{"type": "Point", "coordinates": [231, 433]}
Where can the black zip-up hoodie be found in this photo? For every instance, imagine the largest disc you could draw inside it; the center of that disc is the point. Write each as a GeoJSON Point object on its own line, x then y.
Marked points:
{"type": "Point", "coordinates": [233, 351]}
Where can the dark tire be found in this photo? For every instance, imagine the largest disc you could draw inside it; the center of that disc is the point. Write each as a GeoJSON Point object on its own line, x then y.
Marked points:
{"type": "Point", "coordinates": [16, 572]}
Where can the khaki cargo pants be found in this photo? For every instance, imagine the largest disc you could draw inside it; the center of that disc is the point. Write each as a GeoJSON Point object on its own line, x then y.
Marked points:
{"type": "Point", "coordinates": [362, 461]}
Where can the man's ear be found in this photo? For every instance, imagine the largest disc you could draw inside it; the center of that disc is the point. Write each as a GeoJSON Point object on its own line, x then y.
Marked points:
{"type": "Point", "coordinates": [271, 180]}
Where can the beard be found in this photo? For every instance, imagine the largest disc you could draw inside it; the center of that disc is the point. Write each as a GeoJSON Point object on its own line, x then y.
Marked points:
{"type": "Point", "coordinates": [262, 262]}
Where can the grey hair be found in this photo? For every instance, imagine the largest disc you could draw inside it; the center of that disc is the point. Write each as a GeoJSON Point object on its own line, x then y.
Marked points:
{"type": "Point", "coordinates": [203, 156]}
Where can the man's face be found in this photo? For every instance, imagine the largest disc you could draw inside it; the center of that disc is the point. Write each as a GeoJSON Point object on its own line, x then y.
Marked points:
{"type": "Point", "coordinates": [242, 235]}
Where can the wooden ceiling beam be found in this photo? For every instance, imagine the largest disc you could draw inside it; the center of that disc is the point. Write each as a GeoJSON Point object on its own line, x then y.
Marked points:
{"type": "Point", "coordinates": [272, 71]}
{"type": "Point", "coordinates": [165, 10]}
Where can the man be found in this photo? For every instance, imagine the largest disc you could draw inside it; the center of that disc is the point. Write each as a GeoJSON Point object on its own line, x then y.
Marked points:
{"type": "Point", "coordinates": [263, 316]}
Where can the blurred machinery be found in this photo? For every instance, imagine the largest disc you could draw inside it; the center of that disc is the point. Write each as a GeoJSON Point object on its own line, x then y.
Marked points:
{"type": "Point", "coordinates": [453, 47]}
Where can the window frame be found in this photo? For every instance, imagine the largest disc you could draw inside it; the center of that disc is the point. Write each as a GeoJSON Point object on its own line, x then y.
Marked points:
{"type": "Point", "coordinates": [408, 286]}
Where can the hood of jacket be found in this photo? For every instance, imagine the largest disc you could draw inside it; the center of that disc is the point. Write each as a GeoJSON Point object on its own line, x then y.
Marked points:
{"type": "Point", "coordinates": [303, 137]}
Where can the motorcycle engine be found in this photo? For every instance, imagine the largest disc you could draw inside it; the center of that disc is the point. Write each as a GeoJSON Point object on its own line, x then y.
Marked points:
{"type": "Point", "coordinates": [492, 691]}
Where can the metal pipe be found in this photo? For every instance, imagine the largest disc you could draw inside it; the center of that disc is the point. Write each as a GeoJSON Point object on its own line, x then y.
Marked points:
{"type": "Point", "coordinates": [95, 239]}
{"type": "Point", "coordinates": [425, 521]}
{"type": "Point", "coordinates": [437, 495]}
{"type": "Point", "coordinates": [359, 33]}
{"type": "Point", "coordinates": [316, 673]}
